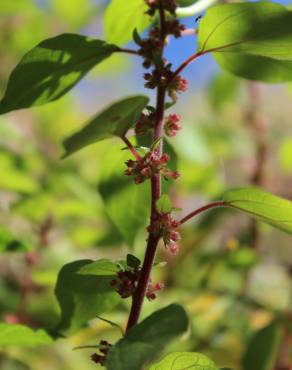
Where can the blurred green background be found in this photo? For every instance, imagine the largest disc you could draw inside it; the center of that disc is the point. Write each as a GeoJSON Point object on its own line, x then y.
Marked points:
{"type": "Point", "coordinates": [233, 275]}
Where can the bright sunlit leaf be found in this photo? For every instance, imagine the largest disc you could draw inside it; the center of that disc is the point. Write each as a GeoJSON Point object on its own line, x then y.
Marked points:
{"type": "Point", "coordinates": [22, 336]}
{"type": "Point", "coordinates": [184, 360]}
{"type": "Point", "coordinates": [51, 69]}
{"type": "Point", "coordinates": [251, 40]}
{"type": "Point", "coordinates": [264, 206]}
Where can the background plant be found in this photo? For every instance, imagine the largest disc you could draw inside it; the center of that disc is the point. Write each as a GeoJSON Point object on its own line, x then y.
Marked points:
{"type": "Point", "coordinates": [47, 198]}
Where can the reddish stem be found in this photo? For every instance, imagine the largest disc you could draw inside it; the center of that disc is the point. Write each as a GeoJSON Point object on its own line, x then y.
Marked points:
{"type": "Point", "coordinates": [128, 51]}
{"type": "Point", "coordinates": [185, 64]}
{"type": "Point", "coordinates": [138, 296]}
{"type": "Point", "coordinates": [202, 209]}
{"type": "Point", "coordinates": [132, 149]}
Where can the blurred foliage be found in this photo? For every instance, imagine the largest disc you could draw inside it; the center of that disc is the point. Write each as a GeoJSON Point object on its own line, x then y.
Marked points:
{"type": "Point", "coordinates": [53, 211]}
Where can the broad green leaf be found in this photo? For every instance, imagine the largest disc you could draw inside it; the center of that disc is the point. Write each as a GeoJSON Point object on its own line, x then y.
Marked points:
{"type": "Point", "coordinates": [145, 341]}
{"type": "Point", "coordinates": [113, 121]}
{"type": "Point", "coordinates": [102, 267]}
{"type": "Point", "coordinates": [263, 206]}
{"type": "Point", "coordinates": [126, 203]}
{"type": "Point", "coordinates": [51, 69]}
{"type": "Point", "coordinates": [251, 40]}
{"type": "Point", "coordinates": [184, 360]}
{"type": "Point", "coordinates": [22, 336]}
{"type": "Point", "coordinates": [82, 297]}
{"type": "Point", "coordinates": [262, 350]}
{"type": "Point", "coordinates": [122, 17]}
{"type": "Point", "coordinates": [164, 204]}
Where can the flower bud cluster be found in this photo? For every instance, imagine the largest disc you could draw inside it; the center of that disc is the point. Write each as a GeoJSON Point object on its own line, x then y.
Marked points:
{"type": "Point", "coordinates": [152, 289]}
{"type": "Point", "coordinates": [154, 5]}
{"type": "Point", "coordinates": [167, 228]}
{"type": "Point", "coordinates": [126, 282]}
{"type": "Point", "coordinates": [104, 347]}
{"type": "Point", "coordinates": [150, 165]}
{"type": "Point", "coordinates": [177, 85]}
{"type": "Point", "coordinates": [171, 125]}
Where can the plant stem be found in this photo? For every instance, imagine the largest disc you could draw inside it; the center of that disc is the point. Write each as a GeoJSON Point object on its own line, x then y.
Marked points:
{"type": "Point", "coordinates": [138, 296]}
{"type": "Point", "coordinates": [185, 64]}
{"type": "Point", "coordinates": [131, 148]}
{"type": "Point", "coordinates": [128, 51]}
{"type": "Point", "coordinates": [202, 209]}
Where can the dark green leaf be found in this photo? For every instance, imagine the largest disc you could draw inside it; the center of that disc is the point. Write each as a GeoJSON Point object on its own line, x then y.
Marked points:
{"type": "Point", "coordinates": [122, 17]}
{"type": "Point", "coordinates": [145, 341]}
{"type": "Point", "coordinates": [263, 206]}
{"type": "Point", "coordinates": [183, 361]}
{"type": "Point", "coordinates": [164, 204]}
{"type": "Point", "coordinates": [262, 350]}
{"type": "Point", "coordinates": [133, 261]}
{"type": "Point", "coordinates": [51, 69]}
{"type": "Point", "coordinates": [115, 120]}
{"type": "Point", "coordinates": [101, 267]}
{"type": "Point", "coordinates": [22, 336]}
{"type": "Point", "coordinates": [251, 40]}
{"type": "Point", "coordinates": [82, 297]}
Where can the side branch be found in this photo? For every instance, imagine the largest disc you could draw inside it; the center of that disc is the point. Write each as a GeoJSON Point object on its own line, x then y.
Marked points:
{"type": "Point", "coordinates": [202, 209]}
{"type": "Point", "coordinates": [185, 64]}
{"type": "Point", "coordinates": [128, 51]}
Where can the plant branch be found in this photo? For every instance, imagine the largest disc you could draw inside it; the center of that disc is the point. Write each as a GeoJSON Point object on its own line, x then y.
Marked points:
{"type": "Point", "coordinates": [185, 64]}
{"type": "Point", "coordinates": [138, 296]}
{"type": "Point", "coordinates": [131, 148]}
{"type": "Point", "coordinates": [202, 209]}
{"type": "Point", "coordinates": [128, 51]}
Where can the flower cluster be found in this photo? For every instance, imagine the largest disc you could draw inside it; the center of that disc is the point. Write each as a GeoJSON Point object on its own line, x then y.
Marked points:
{"type": "Point", "coordinates": [152, 289]}
{"type": "Point", "coordinates": [145, 123]}
{"type": "Point", "coordinates": [126, 282]}
{"type": "Point", "coordinates": [171, 125]}
{"type": "Point", "coordinates": [104, 347]}
{"type": "Point", "coordinates": [167, 228]}
{"type": "Point", "coordinates": [154, 5]}
{"type": "Point", "coordinates": [177, 85]}
{"type": "Point", "coordinates": [150, 165]}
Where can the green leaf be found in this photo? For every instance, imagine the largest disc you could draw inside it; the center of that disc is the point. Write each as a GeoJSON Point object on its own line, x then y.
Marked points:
{"type": "Point", "coordinates": [51, 69]}
{"type": "Point", "coordinates": [184, 360]}
{"type": "Point", "coordinates": [115, 120]}
{"type": "Point", "coordinates": [126, 203]}
{"type": "Point", "coordinates": [122, 17]}
{"type": "Point", "coordinates": [164, 204]}
{"type": "Point", "coordinates": [145, 341]}
{"type": "Point", "coordinates": [22, 336]}
{"type": "Point", "coordinates": [262, 350]}
{"type": "Point", "coordinates": [263, 206]}
{"type": "Point", "coordinates": [101, 267]}
{"type": "Point", "coordinates": [251, 40]}
{"type": "Point", "coordinates": [82, 297]}
{"type": "Point", "coordinates": [133, 261]}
